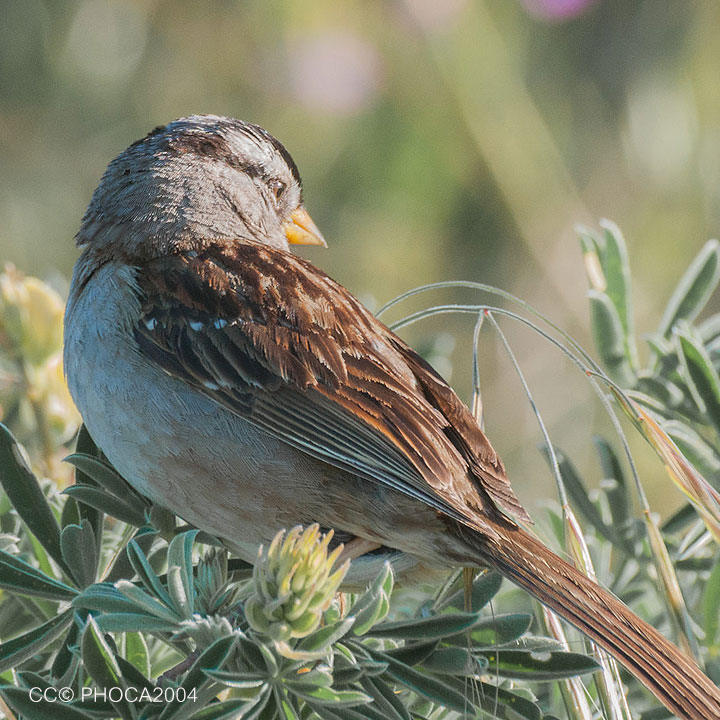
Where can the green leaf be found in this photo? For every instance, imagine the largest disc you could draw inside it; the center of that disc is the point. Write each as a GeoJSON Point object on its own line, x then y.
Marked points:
{"type": "Point", "coordinates": [664, 364]}
{"type": "Point", "coordinates": [609, 251]}
{"type": "Point", "coordinates": [347, 664]}
{"type": "Point", "coordinates": [9, 543]}
{"type": "Point", "coordinates": [368, 712]}
{"type": "Point", "coordinates": [237, 680]}
{"type": "Point", "coordinates": [70, 514]}
{"type": "Point", "coordinates": [694, 289]}
{"type": "Point", "coordinates": [496, 630]}
{"type": "Point", "coordinates": [347, 676]}
{"type": "Point", "coordinates": [319, 641]}
{"type": "Point", "coordinates": [680, 520]}
{"type": "Point", "coordinates": [145, 572]}
{"type": "Point", "coordinates": [527, 665]}
{"type": "Point", "coordinates": [484, 589]}
{"type": "Point", "coordinates": [710, 329]}
{"type": "Point", "coordinates": [335, 698]}
{"type": "Point", "coordinates": [499, 703]}
{"type": "Point", "coordinates": [512, 706]}
{"type": "Point", "coordinates": [181, 601]}
{"type": "Point", "coordinates": [180, 583]}
{"type": "Point", "coordinates": [653, 404]}
{"type": "Point", "coordinates": [104, 597]}
{"type": "Point", "coordinates": [19, 700]}
{"type": "Point", "coordinates": [100, 663]}
{"type": "Point", "coordinates": [197, 676]}
{"type": "Point", "coordinates": [374, 604]}
{"type": "Point", "coordinates": [41, 555]}
{"type": "Point", "coordinates": [414, 653]}
{"type": "Point", "coordinates": [27, 496]}
{"type": "Point", "coordinates": [693, 446]}
{"type": "Point", "coordinates": [18, 576]}
{"type": "Point", "coordinates": [109, 504]}
{"type": "Point", "coordinates": [85, 445]}
{"type": "Point", "coordinates": [28, 679]}
{"type": "Point", "coordinates": [657, 713]}
{"type": "Point", "coordinates": [285, 706]}
{"type": "Point", "coordinates": [610, 340]}
{"type": "Point", "coordinates": [79, 552]}
{"type": "Point", "coordinates": [662, 390]}
{"type": "Point", "coordinates": [712, 669]}
{"type": "Point", "coordinates": [121, 567]}
{"type": "Point", "coordinates": [320, 676]}
{"type": "Point", "coordinates": [233, 709]}
{"type": "Point", "coordinates": [65, 659]}
{"type": "Point", "coordinates": [133, 677]}
{"type": "Point", "coordinates": [452, 661]}
{"type": "Point", "coordinates": [162, 519]}
{"type": "Point", "coordinates": [21, 648]}
{"type": "Point", "coordinates": [144, 602]}
{"type": "Point", "coordinates": [711, 607]}
{"type": "Point", "coordinates": [385, 699]}
{"type": "Point", "coordinates": [136, 652]}
{"type": "Point", "coordinates": [425, 685]}
{"type": "Point", "coordinates": [250, 653]}
{"type": "Point", "coordinates": [436, 626]}
{"type": "Point", "coordinates": [613, 483]}
{"type": "Point", "coordinates": [105, 476]}
{"type": "Point", "coordinates": [580, 498]}
{"type": "Point", "coordinates": [537, 644]}
{"type": "Point", "coordinates": [704, 382]}
{"type": "Point", "coordinates": [135, 622]}
{"type": "Point", "coordinates": [616, 266]}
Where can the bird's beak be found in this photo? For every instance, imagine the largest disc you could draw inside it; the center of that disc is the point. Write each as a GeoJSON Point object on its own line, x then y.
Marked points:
{"type": "Point", "coordinates": [301, 230]}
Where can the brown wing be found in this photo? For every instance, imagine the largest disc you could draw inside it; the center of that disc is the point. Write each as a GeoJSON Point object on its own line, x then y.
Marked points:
{"type": "Point", "coordinates": [278, 342]}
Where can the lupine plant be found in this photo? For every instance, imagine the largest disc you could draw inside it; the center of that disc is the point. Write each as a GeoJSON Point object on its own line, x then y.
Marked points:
{"type": "Point", "coordinates": [112, 607]}
{"type": "Point", "coordinates": [110, 592]}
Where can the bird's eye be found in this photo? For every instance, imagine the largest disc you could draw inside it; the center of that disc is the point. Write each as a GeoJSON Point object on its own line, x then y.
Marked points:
{"type": "Point", "coordinates": [278, 188]}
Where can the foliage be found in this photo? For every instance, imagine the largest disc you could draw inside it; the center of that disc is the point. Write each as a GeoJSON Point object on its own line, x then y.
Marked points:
{"type": "Point", "coordinates": [33, 396]}
{"type": "Point", "coordinates": [671, 399]}
{"type": "Point", "coordinates": [141, 604]}
{"type": "Point", "coordinates": [102, 589]}
{"type": "Point", "coordinates": [667, 572]}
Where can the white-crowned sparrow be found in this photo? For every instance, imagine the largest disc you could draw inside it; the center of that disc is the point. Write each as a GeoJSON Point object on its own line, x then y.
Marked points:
{"type": "Point", "coordinates": [239, 386]}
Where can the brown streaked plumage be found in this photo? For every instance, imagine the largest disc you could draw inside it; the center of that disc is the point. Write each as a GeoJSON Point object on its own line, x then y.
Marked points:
{"type": "Point", "coordinates": [244, 389]}
{"type": "Point", "coordinates": [256, 329]}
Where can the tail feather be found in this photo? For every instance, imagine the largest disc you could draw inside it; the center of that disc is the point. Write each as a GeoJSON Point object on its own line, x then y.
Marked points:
{"type": "Point", "coordinates": [672, 676]}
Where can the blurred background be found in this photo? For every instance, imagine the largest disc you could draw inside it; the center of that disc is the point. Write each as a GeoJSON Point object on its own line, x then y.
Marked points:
{"type": "Point", "coordinates": [459, 139]}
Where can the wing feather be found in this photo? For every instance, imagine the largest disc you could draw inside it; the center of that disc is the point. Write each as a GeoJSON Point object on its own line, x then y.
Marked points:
{"type": "Point", "coordinates": [278, 342]}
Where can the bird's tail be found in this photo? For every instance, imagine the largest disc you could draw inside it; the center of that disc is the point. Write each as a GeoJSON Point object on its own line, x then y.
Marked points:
{"type": "Point", "coordinates": [671, 675]}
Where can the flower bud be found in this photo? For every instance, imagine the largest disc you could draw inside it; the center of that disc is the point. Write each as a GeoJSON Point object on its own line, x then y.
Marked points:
{"type": "Point", "coordinates": [294, 583]}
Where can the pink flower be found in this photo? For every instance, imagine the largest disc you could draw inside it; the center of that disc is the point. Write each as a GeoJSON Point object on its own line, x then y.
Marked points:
{"type": "Point", "coordinates": [557, 9]}
{"type": "Point", "coordinates": [336, 72]}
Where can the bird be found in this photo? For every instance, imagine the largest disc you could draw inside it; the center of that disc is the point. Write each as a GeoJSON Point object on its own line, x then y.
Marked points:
{"type": "Point", "coordinates": [239, 386]}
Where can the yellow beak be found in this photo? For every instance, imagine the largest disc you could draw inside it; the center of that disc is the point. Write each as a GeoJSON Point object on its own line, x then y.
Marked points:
{"type": "Point", "coordinates": [301, 230]}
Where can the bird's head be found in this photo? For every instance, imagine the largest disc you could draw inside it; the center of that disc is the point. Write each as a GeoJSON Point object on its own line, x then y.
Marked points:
{"type": "Point", "coordinates": [198, 179]}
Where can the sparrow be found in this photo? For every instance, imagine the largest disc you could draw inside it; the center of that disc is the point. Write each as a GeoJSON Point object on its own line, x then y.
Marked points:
{"type": "Point", "coordinates": [239, 386]}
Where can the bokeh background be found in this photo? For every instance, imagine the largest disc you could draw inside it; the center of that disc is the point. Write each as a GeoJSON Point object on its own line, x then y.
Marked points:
{"type": "Point", "coordinates": [453, 139]}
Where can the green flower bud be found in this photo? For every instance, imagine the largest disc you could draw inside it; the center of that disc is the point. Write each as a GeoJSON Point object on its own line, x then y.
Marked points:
{"type": "Point", "coordinates": [31, 315]}
{"type": "Point", "coordinates": [294, 584]}
{"type": "Point", "coordinates": [32, 384]}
